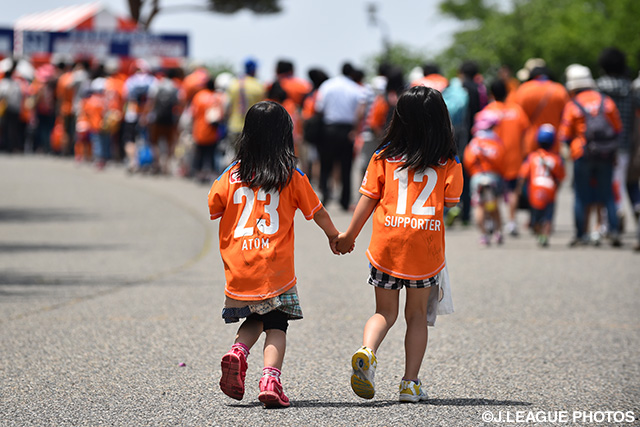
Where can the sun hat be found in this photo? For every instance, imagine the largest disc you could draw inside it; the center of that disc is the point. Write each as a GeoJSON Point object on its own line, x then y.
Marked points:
{"type": "Point", "coordinates": [524, 73]}
{"type": "Point", "coordinates": [579, 77]}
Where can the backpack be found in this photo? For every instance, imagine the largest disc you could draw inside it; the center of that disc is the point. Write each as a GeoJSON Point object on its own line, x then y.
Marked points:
{"type": "Point", "coordinates": [601, 138]}
{"type": "Point", "coordinates": [165, 101]}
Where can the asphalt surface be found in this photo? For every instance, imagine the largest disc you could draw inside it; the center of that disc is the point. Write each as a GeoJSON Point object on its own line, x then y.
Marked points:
{"type": "Point", "coordinates": [111, 288]}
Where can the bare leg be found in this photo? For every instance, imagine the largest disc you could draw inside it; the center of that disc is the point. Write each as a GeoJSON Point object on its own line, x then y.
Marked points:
{"type": "Point", "coordinates": [497, 218]}
{"type": "Point", "coordinates": [415, 342]}
{"type": "Point", "coordinates": [385, 316]}
{"type": "Point", "coordinates": [249, 332]}
{"type": "Point", "coordinates": [512, 200]}
{"type": "Point", "coordinates": [479, 213]}
{"type": "Point", "coordinates": [275, 345]}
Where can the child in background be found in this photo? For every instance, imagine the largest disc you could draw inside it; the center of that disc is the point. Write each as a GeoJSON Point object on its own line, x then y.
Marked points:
{"type": "Point", "coordinates": [409, 181]}
{"type": "Point", "coordinates": [256, 199]}
{"type": "Point", "coordinates": [542, 172]}
{"type": "Point", "coordinates": [484, 161]}
{"type": "Point", "coordinates": [93, 110]}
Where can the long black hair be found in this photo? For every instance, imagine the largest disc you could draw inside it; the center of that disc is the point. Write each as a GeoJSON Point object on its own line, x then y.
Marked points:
{"type": "Point", "coordinates": [420, 130]}
{"type": "Point", "coordinates": [265, 148]}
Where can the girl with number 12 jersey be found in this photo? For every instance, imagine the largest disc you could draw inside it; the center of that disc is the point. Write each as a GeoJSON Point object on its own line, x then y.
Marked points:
{"type": "Point", "coordinates": [408, 234]}
{"type": "Point", "coordinates": [409, 181]}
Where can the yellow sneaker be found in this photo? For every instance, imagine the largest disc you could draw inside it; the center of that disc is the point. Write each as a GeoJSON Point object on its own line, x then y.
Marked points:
{"type": "Point", "coordinates": [364, 364]}
{"type": "Point", "coordinates": [411, 391]}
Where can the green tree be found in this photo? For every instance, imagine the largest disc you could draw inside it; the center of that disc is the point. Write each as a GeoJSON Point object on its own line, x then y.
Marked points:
{"type": "Point", "coordinates": [398, 54]}
{"type": "Point", "coordinates": [560, 31]}
{"type": "Point", "coordinates": [144, 11]}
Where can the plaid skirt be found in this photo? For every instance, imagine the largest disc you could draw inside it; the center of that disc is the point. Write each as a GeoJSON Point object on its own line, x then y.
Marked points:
{"type": "Point", "coordinates": [288, 303]}
{"type": "Point", "coordinates": [383, 280]}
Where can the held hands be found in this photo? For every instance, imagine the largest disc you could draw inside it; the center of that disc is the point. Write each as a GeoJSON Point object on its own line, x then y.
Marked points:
{"type": "Point", "coordinates": [342, 244]}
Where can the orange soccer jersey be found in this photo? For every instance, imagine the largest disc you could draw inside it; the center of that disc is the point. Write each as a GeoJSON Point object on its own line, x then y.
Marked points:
{"type": "Point", "coordinates": [484, 153]}
{"type": "Point", "coordinates": [408, 232]}
{"type": "Point", "coordinates": [511, 130]}
{"type": "Point", "coordinates": [256, 233]}
{"type": "Point", "coordinates": [543, 170]}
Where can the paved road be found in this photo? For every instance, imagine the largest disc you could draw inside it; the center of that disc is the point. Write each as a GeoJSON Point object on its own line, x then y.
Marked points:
{"type": "Point", "coordinates": [109, 282]}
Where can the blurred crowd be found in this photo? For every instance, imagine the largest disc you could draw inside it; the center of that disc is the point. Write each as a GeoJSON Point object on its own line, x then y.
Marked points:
{"type": "Point", "coordinates": [185, 123]}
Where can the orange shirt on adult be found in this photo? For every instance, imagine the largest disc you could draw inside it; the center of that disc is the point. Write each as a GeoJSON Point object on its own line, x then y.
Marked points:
{"type": "Point", "coordinates": [484, 153]}
{"type": "Point", "coordinates": [65, 93]}
{"type": "Point", "coordinates": [511, 130]}
{"type": "Point", "coordinates": [295, 87]}
{"type": "Point", "coordinates": [543, 101]}
{"type": "Point", "coordinates": [309, 105]}
{"type": "Point", "coordinates": [114, 91]}
{"type": "Point", "coordinates": [377, 118]}
{"type": "Point", "coordinates": [573, 126]}
{"type": "Point", "coordinates": [257, 233]}
{"type": "Point", "coordinates": [408, 231]}
{"type": "Point", "coordinates": [543, 171]}
{"type": "Point", "coordinates": [94, 108]}
{"type": "Point", "coordinates": [434, 81]}
{"type": "Point", "coordinates": [205, 133]}
{"type": "Point", "coordinates": [194, 82]}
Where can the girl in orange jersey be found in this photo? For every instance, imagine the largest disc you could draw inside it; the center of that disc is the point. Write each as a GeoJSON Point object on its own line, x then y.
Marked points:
{"type": "Point", "coordinates": [409, 181]}
{"type": "Point", "coordinates": [256, 199]}
{"type": "Point", "coordinates": [483, 158]}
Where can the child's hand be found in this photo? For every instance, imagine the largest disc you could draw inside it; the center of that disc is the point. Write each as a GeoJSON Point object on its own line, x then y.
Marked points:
{"type": "Point", "coordinates": [333, 241]}
{"type": "Point", "coordinates": [344, 244]}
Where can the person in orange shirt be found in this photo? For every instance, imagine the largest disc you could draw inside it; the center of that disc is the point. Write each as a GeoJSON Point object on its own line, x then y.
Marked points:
{"type": "Point", "coordinates": [542, 100]}
{"type": "Point", "coordinates": [295, 87]}
{"type": "Point", "coordinates": [194, 82]}
{"type": "Point", "coordinates": [115, 95]}
{"type": "Point", "coordinates": [93, 110]}
{"type": "Point", "coordinates": [541, 173]}
{"type": "Point", "coordinates": [484, 161]}
{"type": "Point", "coordinates": [65, 94]}
{"type": "Point", "coordinates": [511, 131]}
{"type": "Point", "coordinates": [432, 78]}
{"type": "Point", "coordinates": [381, 111]}
{"type": "Point", "coordinates": [592, 173]}
{"type": "Point", "coordinates": [256, 199]}
{"type": "Point", "coordinates": [409, 181]}
{"type": "Point", "coordinates": [207, 108]}
{"type": "Point", "coordinates": [277, 94]}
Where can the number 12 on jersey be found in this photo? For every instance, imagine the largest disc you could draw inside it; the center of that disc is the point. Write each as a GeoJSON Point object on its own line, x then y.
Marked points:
{"type": "Point", "coordinates": [418, 207]}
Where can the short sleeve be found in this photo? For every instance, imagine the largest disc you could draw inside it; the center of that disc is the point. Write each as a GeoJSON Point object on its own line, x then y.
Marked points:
{"type": "Point", "coordinates": [306, 198]}
{"type": "Point", "coordinates": [454, 181]}
{"type": "Point", "coordinates": [373, 182]}
{"type": "Point", "coordinates": [218, 196]}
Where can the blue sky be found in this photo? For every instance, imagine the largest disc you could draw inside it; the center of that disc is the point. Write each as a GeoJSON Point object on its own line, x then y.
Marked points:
{"type": "Point", "coordinates": [310, 33]}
